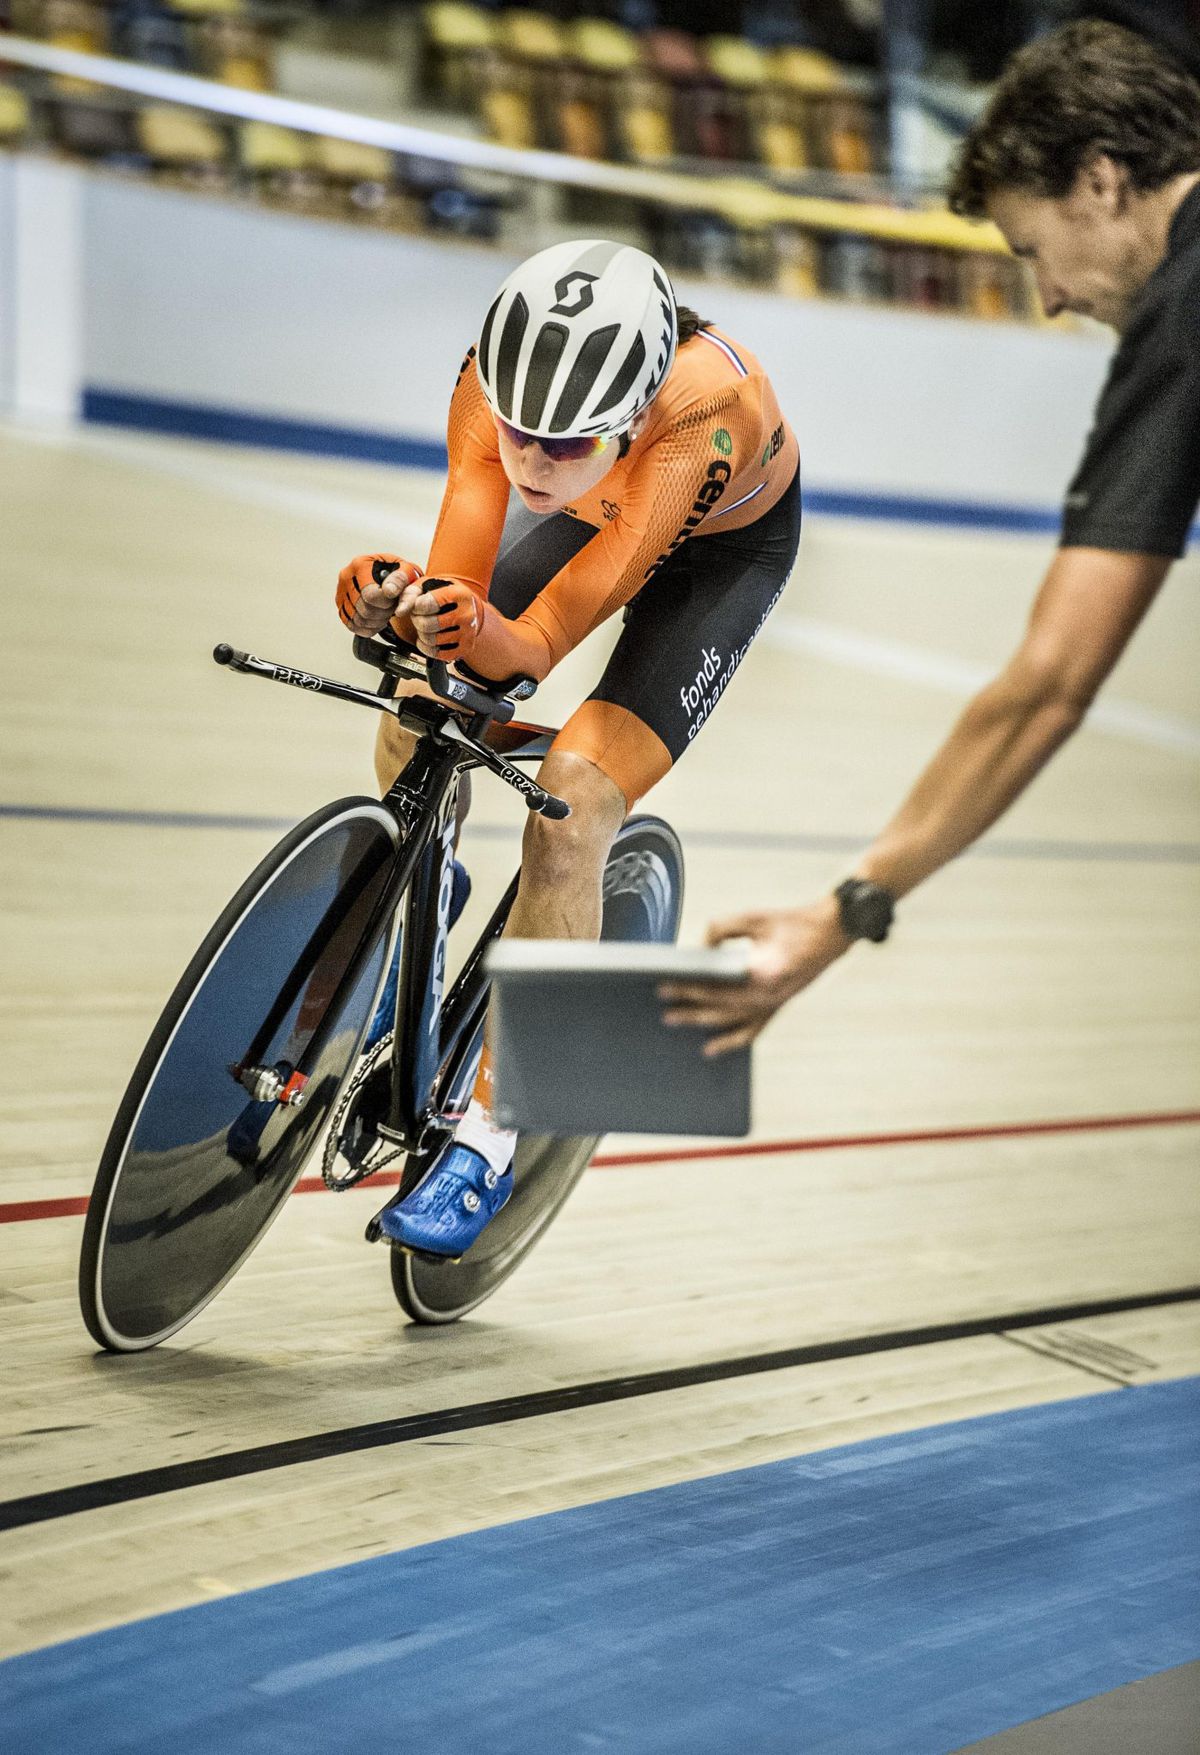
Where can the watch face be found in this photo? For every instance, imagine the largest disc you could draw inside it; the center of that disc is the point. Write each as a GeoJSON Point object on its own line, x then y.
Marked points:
{"type": "Point", "coordinates": [867, 909]}
{"type": "Point", "coordinates": [875, 910]}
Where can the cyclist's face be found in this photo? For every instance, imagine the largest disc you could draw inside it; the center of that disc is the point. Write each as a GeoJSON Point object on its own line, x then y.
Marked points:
{"type": "Point", "coordinates": [547, 484]}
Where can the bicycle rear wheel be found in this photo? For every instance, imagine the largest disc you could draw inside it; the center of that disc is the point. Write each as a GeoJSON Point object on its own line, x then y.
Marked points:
{"type": "Point", "coordinates": [195, 1169]}
{"type": "Point", "coordinates": [643, 898]}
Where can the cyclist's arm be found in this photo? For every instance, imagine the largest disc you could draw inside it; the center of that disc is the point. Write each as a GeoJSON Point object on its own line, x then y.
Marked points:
{"type": "Point", "coordinates": [475, 502]}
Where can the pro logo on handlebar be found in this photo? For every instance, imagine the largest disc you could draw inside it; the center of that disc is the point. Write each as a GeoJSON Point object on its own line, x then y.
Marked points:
{"type": "Point", "coordinates": [299, 679]}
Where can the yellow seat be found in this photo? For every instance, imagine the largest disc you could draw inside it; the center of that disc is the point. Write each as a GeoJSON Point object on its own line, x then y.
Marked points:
{"type": "Point", "coordinates": [14, 112]}
{"type": "Point", "coordinates": [508, 117]}
{"type": "Point", "coordinates": [80, 30]}
{"type": "Point", "coordinates": [206, 8]}
{"type": "Point", "coordinates": [603, 47]}
{"type": "Point", "coordinates": [349, 161]}
{"type": "Point", "coordinates": [581, 128]}
{"type": "Point", "coordinates": [173, 136]}
{"type": "Point", "coordinates": [797, 263]}
{"type": "Point", "coordinates": [452, 25]}
{"type": "Point", "coordinates": [737, 62]}
{"type": "Point", "coordinates": [804, 70]}
{"type": "Point", "coordinates": [783, 145]}
{"type": "Point", "coordinates": [648, 133]}
{"type": "Point", "coordinates": [849, 137]}
{"type": "Point", "coordinates": [80, 42]}
{"type": "Point", "coordinates": [264, 147]}
{"type": "Point", "coordinates": [534, 36]}
{"type": "Point", "coordinates": [245, 72]}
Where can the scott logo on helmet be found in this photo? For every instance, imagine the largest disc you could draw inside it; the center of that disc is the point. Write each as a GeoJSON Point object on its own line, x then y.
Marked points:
{"type": "Point", "coordinates": [583, 299]}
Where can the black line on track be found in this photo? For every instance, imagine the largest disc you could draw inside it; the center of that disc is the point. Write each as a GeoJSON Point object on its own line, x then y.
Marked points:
{"type": "Point", "coordinates": [174, 1477]}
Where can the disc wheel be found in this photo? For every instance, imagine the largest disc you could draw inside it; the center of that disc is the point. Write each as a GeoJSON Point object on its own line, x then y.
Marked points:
{"type": "Point", "coordinates": [194, 1169]}
{"type": "Point", "coordinates": [643, 897]}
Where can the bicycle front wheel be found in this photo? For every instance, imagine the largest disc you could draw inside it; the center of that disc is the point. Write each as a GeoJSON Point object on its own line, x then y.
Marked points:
{"type": "Point", "coordinates": [643, 899]}
{"type": "Point", "coordinates": [195, 1169]}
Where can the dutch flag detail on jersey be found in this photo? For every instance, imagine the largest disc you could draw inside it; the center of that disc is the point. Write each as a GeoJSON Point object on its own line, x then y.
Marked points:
{"type": "Point", "coordinates": [717, 341]}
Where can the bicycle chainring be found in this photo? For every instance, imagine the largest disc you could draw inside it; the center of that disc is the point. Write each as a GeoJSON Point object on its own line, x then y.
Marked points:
{"type": "Point", "coordinates": [352, 1138]}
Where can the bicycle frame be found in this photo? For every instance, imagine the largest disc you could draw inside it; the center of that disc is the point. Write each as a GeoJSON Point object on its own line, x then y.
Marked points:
{"type": "Point", "coordinates": [430, 1026]}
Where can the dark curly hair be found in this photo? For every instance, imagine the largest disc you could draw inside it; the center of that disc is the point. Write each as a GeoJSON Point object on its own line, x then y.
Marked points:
{"type": "Point", "coordinates": [690, 323]}
{"type": "Point", "coordinates": [1089, 88]}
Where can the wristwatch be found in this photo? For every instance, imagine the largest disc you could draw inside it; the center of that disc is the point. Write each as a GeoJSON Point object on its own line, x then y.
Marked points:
{"type": "Point", "coordinates": [866, 909]}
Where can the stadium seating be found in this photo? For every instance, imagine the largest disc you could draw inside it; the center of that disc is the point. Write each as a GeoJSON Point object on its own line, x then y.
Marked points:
{"type": "Point", "coordinates": [771, 121]}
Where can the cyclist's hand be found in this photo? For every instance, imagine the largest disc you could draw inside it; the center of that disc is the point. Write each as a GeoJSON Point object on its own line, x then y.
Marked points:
{"type": "Point", "coordinates": [448, 617]}
{"type": "Point", "coordinates": [789, 948]}
{"type": "Point", "coordinates": [367, 595]}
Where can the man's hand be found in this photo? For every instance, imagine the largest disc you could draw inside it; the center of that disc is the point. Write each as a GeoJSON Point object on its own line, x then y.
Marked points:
{"type": "Point", "coordinates": [789, 948]}
{"type": "Point", "coordinates": [367, 603]}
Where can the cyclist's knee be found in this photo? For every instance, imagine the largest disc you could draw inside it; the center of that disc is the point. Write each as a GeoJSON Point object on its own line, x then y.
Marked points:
{"type": "Point", "coordinates": [553, 850]}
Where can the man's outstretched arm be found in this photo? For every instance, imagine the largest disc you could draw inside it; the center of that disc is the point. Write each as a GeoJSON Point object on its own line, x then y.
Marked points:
{"type": "Point", "coordinates": [1090, 603]}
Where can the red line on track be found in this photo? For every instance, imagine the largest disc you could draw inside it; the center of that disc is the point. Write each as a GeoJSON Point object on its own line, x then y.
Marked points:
{"type": "Point", "coordinates": [72, 1206]}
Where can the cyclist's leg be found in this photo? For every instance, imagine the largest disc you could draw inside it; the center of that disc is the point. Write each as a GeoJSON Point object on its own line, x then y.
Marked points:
{"type": "Point", "coordinates": [562, 863]}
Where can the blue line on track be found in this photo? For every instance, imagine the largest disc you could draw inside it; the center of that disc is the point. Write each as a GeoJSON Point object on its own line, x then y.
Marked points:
{"type": "Point", "coordinates": [903, 1596]}
{"type": "Point", "coordinates": [236, 426]}
{"type": "Point", "coordinates": [749, 840]}
{"type": "Point", "coordinates": [240, 426]}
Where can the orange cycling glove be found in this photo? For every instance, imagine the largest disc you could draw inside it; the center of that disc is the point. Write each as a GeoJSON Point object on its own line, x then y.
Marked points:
{"type": "Point", "coordinates": [468, 627]}
{"type": "Point", "coordinates": [366, 570]}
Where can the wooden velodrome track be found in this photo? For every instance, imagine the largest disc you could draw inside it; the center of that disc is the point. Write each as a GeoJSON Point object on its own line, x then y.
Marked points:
{"type": "Point", "coordinates": [997, 1114]}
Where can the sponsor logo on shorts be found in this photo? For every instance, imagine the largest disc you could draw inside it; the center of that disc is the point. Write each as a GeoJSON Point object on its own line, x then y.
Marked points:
{"type": "Point", "coordinates": [716, 672]}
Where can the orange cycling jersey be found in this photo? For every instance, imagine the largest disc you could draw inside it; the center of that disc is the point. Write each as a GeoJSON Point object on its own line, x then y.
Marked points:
{"type": "Point", "coordinates": [716, 454]}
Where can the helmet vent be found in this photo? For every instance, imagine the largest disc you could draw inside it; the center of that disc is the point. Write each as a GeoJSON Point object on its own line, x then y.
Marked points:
{"type": "Point", "coordinates": [539, 373]}
{"type": "Point", "coordinates": [511, 337]}
{"type": "Point", "coordinates": [485, 341]}
{"type": "Point", "coordinates": [621, 385]}
{"type": "Point", "coordinates": [584, 374]}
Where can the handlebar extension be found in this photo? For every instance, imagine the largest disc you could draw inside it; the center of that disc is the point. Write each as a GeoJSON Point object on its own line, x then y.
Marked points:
{"type": "Point", "coordinates": [449, 688]}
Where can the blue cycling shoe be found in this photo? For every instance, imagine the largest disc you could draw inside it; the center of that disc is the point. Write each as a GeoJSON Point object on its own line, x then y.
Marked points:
{"type": "Point", "coordinates": [385, 1011]}
{"type": "Point", "coordinates": [450, 1206]}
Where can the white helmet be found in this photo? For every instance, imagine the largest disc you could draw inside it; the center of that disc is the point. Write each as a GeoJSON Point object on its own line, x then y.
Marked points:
{"type": "Point", "coordinates": [579, 339]}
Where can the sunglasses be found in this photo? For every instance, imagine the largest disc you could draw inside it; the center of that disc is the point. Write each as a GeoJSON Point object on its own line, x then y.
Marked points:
{"type": "Point", "coordinates": [557, 450]}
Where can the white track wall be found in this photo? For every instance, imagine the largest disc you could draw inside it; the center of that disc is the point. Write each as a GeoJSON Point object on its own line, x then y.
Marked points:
{"type": "Point", "coordinates": [202, 301]}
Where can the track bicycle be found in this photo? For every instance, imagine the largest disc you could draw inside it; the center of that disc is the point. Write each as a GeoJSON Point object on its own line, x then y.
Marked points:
{"type": "Point", "coordinates": [256, 1059]}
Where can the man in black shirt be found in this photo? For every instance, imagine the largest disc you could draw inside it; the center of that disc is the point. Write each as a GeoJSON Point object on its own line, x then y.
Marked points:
{"type": "Point", "coordinates": [1088, 159]}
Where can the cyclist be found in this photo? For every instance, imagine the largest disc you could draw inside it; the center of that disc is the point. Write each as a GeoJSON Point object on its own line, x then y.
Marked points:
{"type": "Point", "coordinates": [608, 450]}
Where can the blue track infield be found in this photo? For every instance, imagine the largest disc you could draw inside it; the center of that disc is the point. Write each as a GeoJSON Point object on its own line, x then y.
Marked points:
{"type": "Point", "coordinates": [899, 1597]}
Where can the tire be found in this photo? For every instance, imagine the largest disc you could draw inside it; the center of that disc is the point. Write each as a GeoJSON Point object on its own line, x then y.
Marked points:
{"type": "Point", "coordinates": [643, 898]}
{"type": "Point", "coordinates": [194, 1171]}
